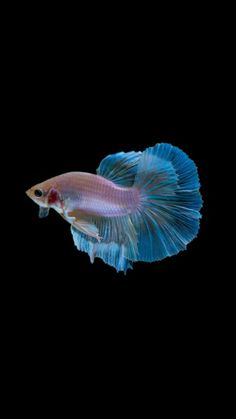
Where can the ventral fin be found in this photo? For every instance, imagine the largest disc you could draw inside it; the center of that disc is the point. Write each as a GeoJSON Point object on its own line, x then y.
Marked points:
{"type": "Point", "coordinates": [85, 226]}
{"type": "Point", "coordinates": [120, 168]}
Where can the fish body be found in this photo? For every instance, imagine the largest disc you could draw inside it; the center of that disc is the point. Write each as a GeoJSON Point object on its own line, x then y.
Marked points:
{"type": "Point", "coordinates": [139, 206]}
{"type": "Point", "coordinates": [93, 194]}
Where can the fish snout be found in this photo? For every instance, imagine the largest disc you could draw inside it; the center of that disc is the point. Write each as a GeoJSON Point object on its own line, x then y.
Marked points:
{"type": "Point", "coordinates": [28, 192]}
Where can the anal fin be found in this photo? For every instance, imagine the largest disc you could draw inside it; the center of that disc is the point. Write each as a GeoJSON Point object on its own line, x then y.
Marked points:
{"type": "Point", "coordinates": [118, 246]}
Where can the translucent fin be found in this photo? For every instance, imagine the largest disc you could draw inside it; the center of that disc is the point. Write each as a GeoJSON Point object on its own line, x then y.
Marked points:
{"type": "Point", "coordinates": [82, 223]}
{"type": "Point", "coordinates": [118, 245]}
{"type": "Point", "coordinates": [43, 212]}
{"type": "Point", "coordinates": [111, 253]}
{"type": "Point", "coordinates": [168, 215]}
{"type": "Point", "coordinates": [87, 228]}
{"type": "Point", "coordinates": [120, 168]}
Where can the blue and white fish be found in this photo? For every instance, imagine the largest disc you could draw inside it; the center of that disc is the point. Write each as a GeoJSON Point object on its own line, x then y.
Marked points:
{"type": "Point", "coordinates": [140, 206]}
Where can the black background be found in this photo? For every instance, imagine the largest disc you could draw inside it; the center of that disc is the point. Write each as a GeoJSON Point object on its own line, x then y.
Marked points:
{"type": "Point", "coordinates": [58, 139]}
{"type": "Point", "coordinates": [68, 118]}
{"type": "Point", "coordinates": [75, 97]}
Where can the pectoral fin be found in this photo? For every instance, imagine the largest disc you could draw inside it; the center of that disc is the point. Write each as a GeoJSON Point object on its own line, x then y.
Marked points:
{"type": "Point", "coordinates": [43, 212]}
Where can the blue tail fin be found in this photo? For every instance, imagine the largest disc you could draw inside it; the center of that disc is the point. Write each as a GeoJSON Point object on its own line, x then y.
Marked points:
{"type": "Point", "coordinates": [168, 215]}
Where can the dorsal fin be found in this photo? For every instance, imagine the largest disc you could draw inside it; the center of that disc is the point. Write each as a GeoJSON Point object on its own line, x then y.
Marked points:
{"type": "Point", "coordinates": [120, 168]}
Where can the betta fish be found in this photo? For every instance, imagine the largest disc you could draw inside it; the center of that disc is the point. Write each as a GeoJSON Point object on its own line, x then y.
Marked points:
{"type": "Point", "coordinates": [140, 206]}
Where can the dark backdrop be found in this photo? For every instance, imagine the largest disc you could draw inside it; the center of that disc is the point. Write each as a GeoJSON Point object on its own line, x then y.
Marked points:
{"type": "Point", "coordinates": [71, 108]}
{"type": "Point", "coordinates": [70, 104]}
{"type": "Point", "coordinates": [55, 139]}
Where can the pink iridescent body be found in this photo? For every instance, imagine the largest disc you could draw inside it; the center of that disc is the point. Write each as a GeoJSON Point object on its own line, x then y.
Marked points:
{"type": "Point", "coordinates": [93, 194]}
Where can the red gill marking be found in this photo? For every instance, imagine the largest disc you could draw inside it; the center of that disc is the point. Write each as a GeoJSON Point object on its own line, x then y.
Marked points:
{"type": "Point", "coordinates": [53, 197]}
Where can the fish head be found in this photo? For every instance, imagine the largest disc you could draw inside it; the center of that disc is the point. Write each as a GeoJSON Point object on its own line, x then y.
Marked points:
{"type": "Point", "coordinates": [45, 194]}
{"type": "Point", "coordinates": [39, 194]}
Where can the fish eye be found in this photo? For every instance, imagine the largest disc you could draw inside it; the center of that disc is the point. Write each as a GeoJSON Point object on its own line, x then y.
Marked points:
{"type": "Point", "coordinates": [38, 192]}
